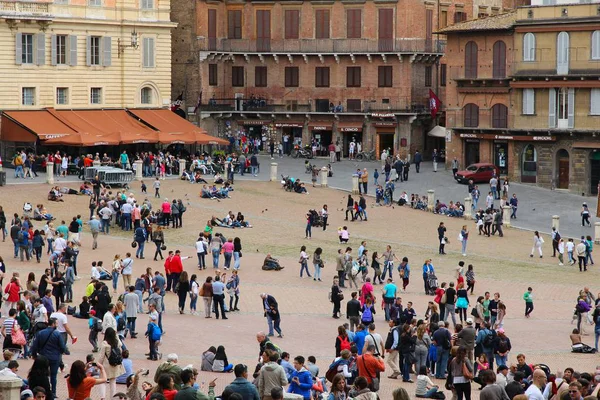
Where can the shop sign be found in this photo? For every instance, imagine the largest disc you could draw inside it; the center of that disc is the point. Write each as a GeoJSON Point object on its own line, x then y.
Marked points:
{"type": "Point", "coordinates": [351, 129]}
{"type": "Point", "coordinates": [508, 137]}
{"type": "Point", "coordinates": [469, 135]}
{"type": "Point", "coordinates": [320, 128]}
{"type": "Point", "coordinates": [253, 122]}
{"type": "Point", "coordinates": [289, 124]}
{"type": "Point", "coordinates": [384, 124]}
{"type": "Point", "coordinates": [382, 115]}
{"type": "Point", "coordinates": [53, 136]}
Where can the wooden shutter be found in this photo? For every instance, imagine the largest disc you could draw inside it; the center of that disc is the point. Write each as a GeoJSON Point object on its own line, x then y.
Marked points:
{"type": "Point", "coordinates": [213, 77]}
{"type": "Point", "coordinates": [529, 47]}
{"type": "Point", "coordinates": [499, 59]}
{"type": "Point", "coordinates": [322, 77]}
{"type": "Point", "coordinates": [237, 76]}
{"type": "Point", "coordinates": [471, 116]}
{"type": "Point", "coordinates": [72, 50]}
{"type": "Point", "coordinates": [18, 48]}
{"type": "Point", "coordinates": [443, 74]}
{"type": "Point", "coordinates": [471, 60]}
{"type": "Point", "coordinates": [354, 23]}
{"type": "Point", "coordinates": [88, 50]}
{"type": "Point", "coordinates": [499, 116]}
{"type": "Point", "coordinates": [571, 107]}
{"type": "Point", "coordinates": [353, 77]}
{"type": "Point", "coordinates": [428, 29]}
{"type": "Point", "coordinates": [40, 48]}
{"type": "Point", "coordinates": [386, 29]}
{"type": "Point", "coordinates": [322, 24]}
{"type": "Point", "coordinates": [292, 24]}
{"type": "Point", "coordinates": [528, 101]}
{"type": "Point", "coordinates": [263, 30]}
{"type": "Point", "coordinates": [260, 76]}
{"type": "Point", "coordinates": [562, 53]}
{"type": "Point", "coordinates": [234, 24]}
{"type": "Point", "coordinates": [385, 78]}
{"type": "Point", "coordinates": [595, 102]}
{"type": "Point", "coordinates": [596, 45]}
{"type": "Point", "coordinates": [552, 108]}
{"type": "Point", "coordinates": [212, 29]}
{"type": "Point", "coordinates": [107, 51]}
{"type": "Point", "coordinates": [53, 52]}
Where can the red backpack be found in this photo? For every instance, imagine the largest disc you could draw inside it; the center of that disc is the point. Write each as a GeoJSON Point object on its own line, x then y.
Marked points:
{"type": "Point", "coordinates": [344, 343]}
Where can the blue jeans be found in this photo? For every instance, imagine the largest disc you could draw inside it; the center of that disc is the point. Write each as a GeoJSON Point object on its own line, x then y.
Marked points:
{"type": "Point", "coordinates": [201, 261]}
{"type": "Point", "coordinates": [464, 246]}
{"type": "Point", "coordinates": [317, 271]}
{"type": "Point", "coordinates": [227, 259]}
{"type": "Point", "coordinates": [105, 225]}
{"type": "Point", "coordinates": [126, 222]}
{"type": "Point", "coordinates": [406, 367]}
{"type": "Point", "coordinates": [388, 265]}
{"type": "Point", "coordinates": [141, 300]}
{"type": "Point", "coordinates": [16, 243]}
{"type": "Point", "coordinates": [597, 334]}
{"type": "Point", "coordinates": [442, 362]}
{"type": "Point", "coordinates": [500, 360]}
{"type": "Point", "coordinates": [514, 212]}
{"type": "Point", "coordinates": [236, 260]}
{"type": "Point", "coordinates": [254, 169]}
{"type": "Point", "coordinates": [270, 324]}
{"type": "Point", "coordinates": [475, 200]}
{"type": "Point", "coordinates": [193, 301]}
{"type": "Point", "coordinates": [429, 393]}
{"type": "Point", "coordinates": [215, 254]}
{"type": "Point", "coordinates": [495, 193]}
{"type": "Point", "coordinates": [50, 246]}
{"type": "Point", "coordinates": [140, 249]}
{"type": "Point", "coordinates": [131, 325]}
{"type": "Point", "coordinates": [54, 365]}
{"type": "Point", "coordinates": [308, 232]}
{"type": "Point", "coordinates": [115, 280]}
{"type": "Point", "coordinates": [304, 266]}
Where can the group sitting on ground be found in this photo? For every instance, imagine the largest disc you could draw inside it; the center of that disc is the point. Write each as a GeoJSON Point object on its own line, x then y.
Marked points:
{"type": "Point", "coordinates": [212, 192]}
{"type": "Point", "coordinates": [40, 213]}
{"type": "Point", "coordinates": [451, 210]}
{"type": "Point", "coordinates": [193, 177]}
{"type": "Point", "coordinates": [230, 221]}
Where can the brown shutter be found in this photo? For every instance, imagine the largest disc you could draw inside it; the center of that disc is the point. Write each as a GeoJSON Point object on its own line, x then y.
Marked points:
{"type": "Point", "coordinates": [322, 24]}
{"type": "Point", "coordinates": [471, 60]}
{"type": "Point", "coordinates": [385, 76]}
{"type": "Point", "coordinates": [443, 74]}
{"type": "Point", "coordinates": [234, 24]}
{"type": "Point", "coordinates": [499, 69]}
{"type": "Point", "coordinates": [292, 22]}
{"type": "Point", "coordinates": [499, 116]}
{"type": "Point", "coordinates": [428, 29]}
{"type": "Point", "coordinates": [263, 30]}
{"type": "Point", "coordinates": [212, 74]}
{"type": "Point", "coordinates": [322, 77]}
{"type": "Point", "coordinates": [386, 29]}
{"type": "Point", "coordinates": [353, 23]}
{"type": "Point", "coordinates": [471, 116]}
{"type": "Point", "coordinates": [212, 29]}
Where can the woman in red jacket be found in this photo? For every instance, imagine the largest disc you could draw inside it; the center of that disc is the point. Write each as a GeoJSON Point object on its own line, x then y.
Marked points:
{"type": "Point", "coordinates": [12, 289]}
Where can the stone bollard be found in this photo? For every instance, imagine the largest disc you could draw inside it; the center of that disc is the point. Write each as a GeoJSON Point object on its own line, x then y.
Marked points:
{"type": "Point", "coordinates": [139, 169]}
{"type": "Point", "coordinates": [10, 388]}
{"type": "Point", "coordinates": [468, 207]}
{"type": "Point", "coordinates": [597, 232]}
{"type": "Point", "coordinates": [355, 184]}
{"type": "Point", "coordinates": [181, 166]}
{"type": "Point", "coordinates": [555, 221]}
{"type": "Point", "coordinates": [430, 200]}
{"type": "Point", "coordinates": [324, 176]}
{"type": "Point", "coordinates": [506, 211]}
{"type": "Point", "coordinates": [273, 177]}
{"type": "Point", "coordinates": [50, 173]}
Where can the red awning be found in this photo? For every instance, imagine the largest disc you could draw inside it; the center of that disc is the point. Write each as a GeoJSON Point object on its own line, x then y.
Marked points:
{"type": "Point", "coordinates": [18, 126]}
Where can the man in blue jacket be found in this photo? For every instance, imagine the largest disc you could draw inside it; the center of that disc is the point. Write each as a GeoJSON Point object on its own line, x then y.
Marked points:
{"type": "Point", "coordinates": [301, 382]}
{"type": "Point", "coordinates": [49, 343]}
{"type": "Point", "coordinates": [241, 384]}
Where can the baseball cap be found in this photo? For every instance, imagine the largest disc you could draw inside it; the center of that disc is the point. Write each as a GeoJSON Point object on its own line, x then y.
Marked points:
{"type": "Point", "coordinates": [501, 330]}
{"type": "Point", "coordinates": [469, 321]}
{"type": "Point", "coordinates": [26, 394]}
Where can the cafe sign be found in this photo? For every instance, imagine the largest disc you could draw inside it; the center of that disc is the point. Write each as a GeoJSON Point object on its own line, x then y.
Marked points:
{"type": "Point", "coordinates": [382, 115]}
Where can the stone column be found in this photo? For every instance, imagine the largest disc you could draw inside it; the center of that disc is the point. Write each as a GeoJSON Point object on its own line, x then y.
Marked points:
{"type": "Point", "coordinates": [468, 207]}
{"type": "Point", "coordinates": [597, 232]}
{"type": "Point", "coordinates": [430, 200]}
{"type": "Point", "coordinates": [506, 211]}
{"type": "Point", "coordinates": [324, 176]}
{"type": "Point", "coordinates": [273, 177]}
{"type": "Point", "coordinates": [555, 221]}
{"type": "Point", "coordinates": [50, 173]}
{"type": "Point", "coordinates": [181, 166]}
{"type": "Point", "coordinates": [138, 170]}
{"type": "Point", "coordinates": [355, 184]}
{"type": "Point", "coordinates": [10, 388]}
{"type": "Point", "coordinates": [96, 163]}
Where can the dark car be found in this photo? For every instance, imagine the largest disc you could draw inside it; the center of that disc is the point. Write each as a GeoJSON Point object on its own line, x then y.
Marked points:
{"type": "Point", "coordinates": [480, 172]}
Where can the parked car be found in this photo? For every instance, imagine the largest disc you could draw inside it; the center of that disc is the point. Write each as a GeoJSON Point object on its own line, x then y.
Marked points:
{"type": "Point", "coordinates": [480, 172]}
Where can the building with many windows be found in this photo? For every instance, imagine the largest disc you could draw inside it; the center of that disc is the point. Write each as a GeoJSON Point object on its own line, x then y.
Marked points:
{"type": "Point", "coordinates": [331, 71]}
{"type": "Point", "coordinates": [540, 121]}
{"type": "Point", "coordinates": [83, 54]}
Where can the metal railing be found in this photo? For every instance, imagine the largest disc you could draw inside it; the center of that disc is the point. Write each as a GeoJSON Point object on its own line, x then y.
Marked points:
{"type": "Point", "coordinates": [585, 67]}
{"type": "Point", "coordinates": [484, 71]}
{"type": "Point", "coordinates": [319, 46]}
{"type": "Point", "coordinates": [24, 7]}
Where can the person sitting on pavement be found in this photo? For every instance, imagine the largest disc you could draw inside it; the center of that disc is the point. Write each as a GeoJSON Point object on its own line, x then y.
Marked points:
{"type": "Point", "coordinates": [271, 264]}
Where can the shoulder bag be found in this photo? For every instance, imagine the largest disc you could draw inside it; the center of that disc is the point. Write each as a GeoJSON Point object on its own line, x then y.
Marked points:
{"type": "Point", "coordinates": [465, 371]}
{"type": "Point", "coordinates": [17, 335]}
{"type": "Point", "coordinates": [374, 385]}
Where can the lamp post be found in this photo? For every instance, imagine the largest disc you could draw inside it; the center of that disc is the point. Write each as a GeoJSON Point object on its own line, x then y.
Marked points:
{"type": "Point", "coordinates": [133, 43]}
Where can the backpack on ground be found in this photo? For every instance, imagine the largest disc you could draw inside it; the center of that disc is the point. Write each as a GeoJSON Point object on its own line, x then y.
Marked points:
{"type": "Point", "coordinates": [115, 358]}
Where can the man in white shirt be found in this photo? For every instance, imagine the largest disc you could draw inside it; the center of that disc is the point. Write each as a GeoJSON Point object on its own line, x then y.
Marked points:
{"type": "Point", "coordinates": [126, 209]}
{"type": "Point", "coordinates": [60, 244]}
{"type": "Point", "coordinates": [501, 379]}
{"type": "Point", "coordinates": [201, 253]}
{"type": "Point", "coordinates": [95, 274]}
{"type": "Point", "coordinates": [534, 391]}
{"type": "Point", "coordinates": [62, 324]}
{"type": "Point", "coordinates": [40, 314]}
{"type": "Point", "coordinates": [106, 214]}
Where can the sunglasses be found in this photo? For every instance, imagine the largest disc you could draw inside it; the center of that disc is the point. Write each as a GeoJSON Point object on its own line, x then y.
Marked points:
{"type": "Point", "coordinates": [573, 391]}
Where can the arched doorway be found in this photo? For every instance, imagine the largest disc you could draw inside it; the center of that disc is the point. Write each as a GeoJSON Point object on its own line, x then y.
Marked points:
{"type": "Point", "coordinates": [562, 169]}
{"type": "Point", "coordinates": [529, 164]}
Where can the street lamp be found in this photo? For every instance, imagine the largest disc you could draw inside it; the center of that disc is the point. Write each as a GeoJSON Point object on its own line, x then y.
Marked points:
{"type": "Point", "coordinates": [133, 44]}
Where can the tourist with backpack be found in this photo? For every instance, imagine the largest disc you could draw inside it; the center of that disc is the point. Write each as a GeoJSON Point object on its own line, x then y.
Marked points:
{"type": "Point", "coordinates": [153, 333]}
{"type": "Point", "coordinates": [342, 342]}
{"type": "Point", "coordinates": [95, 325]}
{"type": "Point", "coordinates": [484, 343]}
{"type": "Point", "coordinates": [112, 359]}
{"type": "Point", "coordinates": [368, 313]}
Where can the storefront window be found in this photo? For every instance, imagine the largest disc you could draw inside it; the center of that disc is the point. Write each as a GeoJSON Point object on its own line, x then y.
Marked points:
{"type": "Point", "coordinates": [529, 165]}
{"type": "Point", "coordinates": [501, 157]}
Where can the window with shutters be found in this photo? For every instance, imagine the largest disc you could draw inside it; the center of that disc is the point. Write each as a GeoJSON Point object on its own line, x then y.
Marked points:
{"type": "Point", "coordinates": [148, 48]}
{"type": "Point", "coordinates": [471, 60]}
{"type": "Point", "coordinates": [291, 76]}
{"type": "Point", "coordinates": [28, 96]}
{"type": "Point", "coordinates": [212, 29]}
{"type": "Point", "coordinates": [322, 24]}
{"type": "Point", "coordinates": [95, 49]}
{"type": "Point", "coordinates": [460, 16]}
{"type": "Point", "coordinates": [62, 96]}
{"type": "Point", "coordinates": [471, 116]}
{"type": "Point", "coordinates": [562, 53]}
{"type": "Point", "coordinates": [96, 95]}
{"type": "Point", "coordinates": [61, 50]}
{"type": "Point", "coordinates": [428, 76]}
{"type": "Point", "coordinates": [234, 20]}
{"type": "Point", "coordinates": [443, 19]}
{"type": "Point", "coordinates": [237, 76]}
{"type": "Point", "coordinates": [385, 35]}
{"type": "Point", "coordinates": [292, 24]}
{"type": "Point", "coordinates": [260, 76]}
{"type": "Point", "coordinates": [595, 102]}
{"type": "Point", "coordinates": [385, 78]}
{"type": "Point", "coordinates": [27, 48]}
{"type": "Point", "coordinates": [443, 76]}
{"type": "Point", "coordinates": [322, 77]}
{"type": "Point", "coordinates": [147, 4]}
{"type": "Point", "coordinates": [263, 30]}
{"type": "Point", "coordinates": [529, 47]}
{"type": "Point", "coordinates": [596, 45]}
{"type": "Point", "coordinates": [213, 75]}
{"type": "Point", "coordinates": [353, 105]}
{"type": "Point", "coordinates": [354, 23]}
{"type": "Point", "coordinates": [528, 101]}
{"type": "Point", "coordinates": [499, 59]}
{"type": "Point", "coordinates": [353, 77]}
{"type": "Point", "coordinates": [146, 95]}
{"type": "Point", "coordinates": [499, 116]}
{"type": "Point", "coordinates": [95, 3]}
{"type": "Point", "coordinates": [428, 29]}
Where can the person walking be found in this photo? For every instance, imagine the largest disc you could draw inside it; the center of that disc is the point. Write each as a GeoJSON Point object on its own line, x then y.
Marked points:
{"type": "Point", "coordinates": [318, 263]}
{"type": "Point", "coordinates": [441, 237]}
{"type": "Point", "coordinates": [454, 166]}
{"type": "Point", "coordinates": [237, 253]}
{"type": "Point", "coordinates": [324, 216]}
{"type": "Point", "coordinates": [450, 304]}
{"type": "Point", "coordinates": [585, 215]}
{"type": "Point", "coordinates": [462, 371]}
{"type": "Point", "coordinates": [538, 241]}
{"type": "Point", "coordinates": [463, 237]}
{"type": "Point", "coordinates": [111, 358]}
{"type": "Point", "coordinates": [158, 238]}
{"type": "Point", "coordinates": [131, 302]}
{"type": "Point", "coordinates": [303, 261]}
{"type": "Point", "coordinates": [182, 287]}
{"type": "Point", "coordinates": [308, 229]}
{"type": "Point", "coordinates": [218, 290]}
{"type": "Point", "coordinates": [580, 251]}
{"type": "Point", "coordinates": [555, 240]}
{"type": "Point", "coordinates": [207, 295]}
{"type": "Point", "coordinates": [528, 297]}
{"type": "Point", "coordinates": [233, 289]}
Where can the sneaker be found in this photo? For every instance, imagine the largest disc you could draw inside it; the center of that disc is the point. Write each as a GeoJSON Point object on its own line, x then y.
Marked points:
{"type": "Point", "coordinates": [561, 264]}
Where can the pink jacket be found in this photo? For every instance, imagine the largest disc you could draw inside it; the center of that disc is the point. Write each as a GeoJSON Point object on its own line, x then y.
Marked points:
{"type": "Point", "coordinates": [166, 207]}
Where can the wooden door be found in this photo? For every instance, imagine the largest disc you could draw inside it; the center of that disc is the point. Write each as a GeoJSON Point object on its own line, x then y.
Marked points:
{"type": "Point", "coordinates": [563, 170]}
{"type": "Point", "coordinates": [263, 30]}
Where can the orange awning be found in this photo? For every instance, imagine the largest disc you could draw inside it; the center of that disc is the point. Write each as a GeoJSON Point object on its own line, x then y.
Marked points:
{"type": "Point", "coordinates": [85, 139]}
{"type": "Point", "coordinates": [174, 129]}
{"type": "Point", "coordinates": [19, 125]}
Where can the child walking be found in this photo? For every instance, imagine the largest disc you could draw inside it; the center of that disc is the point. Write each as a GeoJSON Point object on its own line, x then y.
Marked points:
{"type": "Point", "coordinates": [528, 297]}
{"type": "Point", "coordinates": [156, 186]}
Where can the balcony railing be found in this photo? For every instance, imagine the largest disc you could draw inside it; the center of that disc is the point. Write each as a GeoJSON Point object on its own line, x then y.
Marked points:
{"type": "Point", "coordinates": [320, 46]}
{"type": "Point", "coordinates": [484, 72]}
{"type": "Point", "coordinates": [583, 68]}
{"type": "Point", "coordinates": [23, 8]}
{"type": "Point", "coordinates": [402, 105]}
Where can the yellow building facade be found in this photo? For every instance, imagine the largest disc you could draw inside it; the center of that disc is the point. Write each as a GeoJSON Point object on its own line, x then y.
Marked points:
{"type": "Point", "coordinates": [85, 54]}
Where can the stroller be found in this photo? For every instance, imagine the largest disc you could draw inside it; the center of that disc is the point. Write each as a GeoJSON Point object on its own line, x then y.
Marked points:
{"type": "Point", "coordinates": [315, 218]}
{"type": "Point", "coordinates": [287, 183]}
{"type": "Point", "coordinates": [432, 283]}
